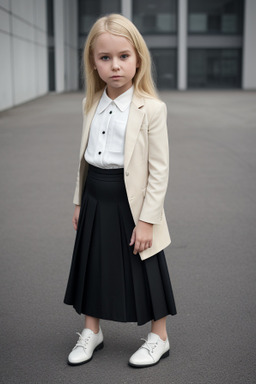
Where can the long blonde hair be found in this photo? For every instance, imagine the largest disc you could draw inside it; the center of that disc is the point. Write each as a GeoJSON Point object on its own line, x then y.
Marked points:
{"type": "Point", "coordinates": [120, 26]}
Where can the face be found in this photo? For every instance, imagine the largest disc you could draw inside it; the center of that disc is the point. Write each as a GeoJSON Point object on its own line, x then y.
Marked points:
{"type": "Point", "coordinates": [116, 61]}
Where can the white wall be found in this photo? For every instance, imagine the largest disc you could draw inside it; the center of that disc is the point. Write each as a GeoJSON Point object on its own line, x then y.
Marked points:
{"type": "Point", "coordinates": [249, 48]}
{"type": "Point", "coordinates": [23, 41]}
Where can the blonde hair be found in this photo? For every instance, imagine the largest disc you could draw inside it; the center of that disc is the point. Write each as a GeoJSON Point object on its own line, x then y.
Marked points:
{"type": "Point", "coordinates": [120, 26]}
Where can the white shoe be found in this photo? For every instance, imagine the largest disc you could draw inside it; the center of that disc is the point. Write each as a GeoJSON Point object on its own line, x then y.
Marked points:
{"type": "Point", "coordinates": [150, 352]}
{"type": "Point", "coordinates": [87, 343]}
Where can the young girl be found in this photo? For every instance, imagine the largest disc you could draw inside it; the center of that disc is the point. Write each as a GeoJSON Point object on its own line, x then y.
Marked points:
{"type": "Point", "coordinates": [118, 269]}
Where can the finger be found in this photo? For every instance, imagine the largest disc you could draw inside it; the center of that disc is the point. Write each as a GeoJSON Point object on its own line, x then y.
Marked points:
{"type": "Point", "coordinates": [136, 247]}
{"type": "Point", "coordinates": [132, 237]}
{"type": "Point", "coordinates": [142, 247]}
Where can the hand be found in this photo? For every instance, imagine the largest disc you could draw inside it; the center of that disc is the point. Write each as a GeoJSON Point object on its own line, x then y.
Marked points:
{"type": "Point", "coordinates": [76, 216]}
{"type": "Point", "coordinates": [142, 236]}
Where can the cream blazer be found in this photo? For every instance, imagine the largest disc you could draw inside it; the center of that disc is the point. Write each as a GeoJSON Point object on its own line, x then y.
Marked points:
{"type": "Point", "coordinates": [146, 165]}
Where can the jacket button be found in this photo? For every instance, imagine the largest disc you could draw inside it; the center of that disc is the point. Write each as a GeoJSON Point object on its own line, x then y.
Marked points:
{"type": "Point", "coordinates": [127, 173]}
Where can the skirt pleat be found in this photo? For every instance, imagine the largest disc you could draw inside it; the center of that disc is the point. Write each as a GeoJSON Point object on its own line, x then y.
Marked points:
{"type": "Point", "coordinates": [106, 279]}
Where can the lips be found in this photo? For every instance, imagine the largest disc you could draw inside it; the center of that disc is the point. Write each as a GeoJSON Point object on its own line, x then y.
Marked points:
{"type": "Point", "coordinates": [115, 77]}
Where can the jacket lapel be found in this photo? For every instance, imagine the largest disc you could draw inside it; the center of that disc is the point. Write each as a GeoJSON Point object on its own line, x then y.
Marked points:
{"type": "Point", "coordinates": [134, 122]}
{"type": "Point", "coordinates": [88, 121]}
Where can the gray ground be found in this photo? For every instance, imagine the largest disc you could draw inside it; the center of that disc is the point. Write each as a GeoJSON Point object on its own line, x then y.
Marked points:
{"type": "Point", "coordinates": [211, 210]}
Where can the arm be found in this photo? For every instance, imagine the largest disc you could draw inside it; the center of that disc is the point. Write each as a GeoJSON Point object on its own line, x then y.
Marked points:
{"type": "Point", "coordinates": [158, 161]}
{"type": "Point", "coordinates": [76, 216]}
{"type": "Point", "coordinates": [158, 164]}
{"type": "Point", "coordinates": [76, 199]}
{"type": "Point", "coordinates": [77, 193]}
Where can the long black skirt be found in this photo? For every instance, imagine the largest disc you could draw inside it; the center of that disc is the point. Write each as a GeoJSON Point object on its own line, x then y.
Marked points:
{"type": "Point", "coordinates": [106, 279]}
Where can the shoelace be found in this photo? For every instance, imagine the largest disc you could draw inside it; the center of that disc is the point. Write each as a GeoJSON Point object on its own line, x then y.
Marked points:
{"type": "Point", "coordinates": [82, 341]}
{"type": "Point", "coordinates": [149, 346]}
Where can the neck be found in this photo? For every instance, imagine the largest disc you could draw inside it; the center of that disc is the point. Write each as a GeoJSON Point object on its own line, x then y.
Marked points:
{"type": "Point", "coordinates": [113, 93]}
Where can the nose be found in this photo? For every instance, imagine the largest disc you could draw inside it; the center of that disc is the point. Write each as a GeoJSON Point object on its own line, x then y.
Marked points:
{"type": "Point", "coordinates": [115, 65]}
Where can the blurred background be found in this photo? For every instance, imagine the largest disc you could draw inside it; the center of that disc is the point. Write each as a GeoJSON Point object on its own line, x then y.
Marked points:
{"type": "Point", "coordinates": [195, 44]}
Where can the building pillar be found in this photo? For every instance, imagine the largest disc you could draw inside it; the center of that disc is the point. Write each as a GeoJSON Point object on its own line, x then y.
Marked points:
{"type": "Point", "coordinates": [182, 44]}
{"type": "Point", "coordinates": [58, 10]}
{"type": "Point", "coordinates": [126, 8]}
{"type": "Point", "coordinates": [249, 46]}
{"type": "Point", "coordinates": [71, 44]}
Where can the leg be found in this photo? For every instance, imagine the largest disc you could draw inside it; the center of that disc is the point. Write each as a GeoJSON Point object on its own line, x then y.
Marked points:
{"type": "Point", "coordinates": [89, 341]}
{"type": "Point", "coordinates": [92, 323]}
{"type": "Point", "coordinates": [159, 327]}
{"type": "Point", "coordinates": [155, 348]}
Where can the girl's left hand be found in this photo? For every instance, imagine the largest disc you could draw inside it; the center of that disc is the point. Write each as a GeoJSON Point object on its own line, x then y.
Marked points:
{"type": "Point", "coordinates": [142, 236]}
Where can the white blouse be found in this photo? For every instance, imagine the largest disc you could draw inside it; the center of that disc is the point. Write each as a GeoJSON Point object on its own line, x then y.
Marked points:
{"type": "Point", "coordinates": [105, 147]}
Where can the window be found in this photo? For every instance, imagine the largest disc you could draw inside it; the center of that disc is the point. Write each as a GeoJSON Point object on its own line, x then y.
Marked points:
{"type": "Point", "coordinates": [90, 10]}
{"type": "Point", "coordinates": [215, 17]}
{"type": "Point", "coordinates": [214, 68]}
{"type": "Point", "coordinates": [165, 67]}
{"type": "Point", "coordinates": [155, 17]}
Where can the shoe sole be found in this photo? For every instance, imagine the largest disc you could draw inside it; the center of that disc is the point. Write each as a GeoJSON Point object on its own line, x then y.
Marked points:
{"type": "Point", "coordinates": [100, 346]}
{"type": "Point", "coordinates": [166, 354]}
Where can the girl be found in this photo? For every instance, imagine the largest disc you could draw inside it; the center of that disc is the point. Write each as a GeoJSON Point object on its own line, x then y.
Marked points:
{"type": "Point", "coordinates": [118, 269]}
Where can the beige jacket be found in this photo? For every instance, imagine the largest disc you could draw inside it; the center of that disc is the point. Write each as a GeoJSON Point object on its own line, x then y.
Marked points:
{"type": "Point", "coordinates": [146, 165]}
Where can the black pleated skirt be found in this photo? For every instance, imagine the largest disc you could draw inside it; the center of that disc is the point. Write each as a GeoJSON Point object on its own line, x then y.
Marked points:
{"type": "Point", "coordinates": [106, 279]}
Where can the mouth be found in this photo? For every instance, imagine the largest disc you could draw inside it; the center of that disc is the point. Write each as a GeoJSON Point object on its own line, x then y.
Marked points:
{"type": "Point", "coordinates": [115, 77]}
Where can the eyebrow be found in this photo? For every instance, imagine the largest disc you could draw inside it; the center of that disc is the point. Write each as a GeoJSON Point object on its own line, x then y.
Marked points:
{"type": "Point", "coordinates": [107, 53]}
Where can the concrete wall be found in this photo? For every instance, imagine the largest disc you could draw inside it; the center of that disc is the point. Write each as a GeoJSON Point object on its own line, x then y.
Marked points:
{"type": "Point", "coordinates": [23, 41]}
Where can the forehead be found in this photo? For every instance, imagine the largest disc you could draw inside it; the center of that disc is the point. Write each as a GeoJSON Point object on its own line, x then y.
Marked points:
{"type": "Point", "coordinates": [108, 42]}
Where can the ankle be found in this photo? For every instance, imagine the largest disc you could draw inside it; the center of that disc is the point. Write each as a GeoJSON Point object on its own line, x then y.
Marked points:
{"type": "Point", "coordinates": [94, 329]}
{"type": "Point", "coordinates": [163, 335]}
{"type": "Point", "coordinates": [92, 323]}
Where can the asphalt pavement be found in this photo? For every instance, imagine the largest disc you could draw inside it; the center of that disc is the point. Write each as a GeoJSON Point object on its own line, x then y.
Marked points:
{"type": "Point", "coordinates": [211, 212]}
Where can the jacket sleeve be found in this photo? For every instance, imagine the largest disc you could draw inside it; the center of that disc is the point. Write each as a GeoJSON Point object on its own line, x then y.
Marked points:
{"type": "Point", "coordinates": [158, 165]}
{"type": "Point", "coordinates": [77, 193]}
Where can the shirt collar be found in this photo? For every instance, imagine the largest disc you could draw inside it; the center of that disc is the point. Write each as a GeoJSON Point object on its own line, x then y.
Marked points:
{"type": "Point", "coordinates": [122, 102]}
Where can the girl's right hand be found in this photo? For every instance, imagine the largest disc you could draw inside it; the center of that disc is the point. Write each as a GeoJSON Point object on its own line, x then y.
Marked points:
{"type": "Point", "coordinates": [76, 216]}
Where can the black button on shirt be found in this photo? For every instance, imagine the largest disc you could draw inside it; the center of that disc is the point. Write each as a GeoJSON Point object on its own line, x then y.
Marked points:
{"type": "Point", "coordinates": [103, 132]}
{"type": "Point", "coordinates": [99, 153]}
{"type": "Point", "coordinates": [110, 112]}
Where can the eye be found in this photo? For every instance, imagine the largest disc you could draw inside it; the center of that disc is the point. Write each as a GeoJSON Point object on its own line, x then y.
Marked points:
{"type": "Point", "coordinates": [104, 58]}
{"type": "Point", "coordinates": [124, 56]}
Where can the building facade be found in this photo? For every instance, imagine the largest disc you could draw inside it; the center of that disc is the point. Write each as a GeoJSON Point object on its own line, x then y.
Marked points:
{"type": "Point", "coordinates": [195, 44]}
